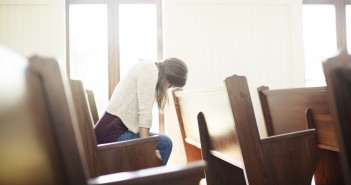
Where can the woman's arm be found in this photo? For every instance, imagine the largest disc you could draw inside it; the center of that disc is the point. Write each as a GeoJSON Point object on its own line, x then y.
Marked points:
{"type": "Point", "coordinates": [144, 132]}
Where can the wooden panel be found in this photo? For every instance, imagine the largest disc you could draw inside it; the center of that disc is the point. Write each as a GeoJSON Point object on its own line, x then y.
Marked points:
{"type": "Point", "coordinates": [286, 111]}
{"type": "Point", "coordinates": [337, 72]}
{"type": "Point", "coordinates": [28, 152]}
{"type": "Point", "coordinates": [289, 158]}
{"type": "Point", "coordinates": [92, 105]}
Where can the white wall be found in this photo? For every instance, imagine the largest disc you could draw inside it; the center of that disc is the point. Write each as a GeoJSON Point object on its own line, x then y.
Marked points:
{"type": "Point", "coordinates": [33, 27]}
{"type": "Point", "coordinates": [217, 38]}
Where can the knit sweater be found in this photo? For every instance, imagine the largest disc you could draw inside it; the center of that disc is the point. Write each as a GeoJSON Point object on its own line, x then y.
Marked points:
{"type": "Point", "coordinates": [134, 96]}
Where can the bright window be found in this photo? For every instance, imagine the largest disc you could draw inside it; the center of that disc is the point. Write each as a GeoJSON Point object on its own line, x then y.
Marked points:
{"type": "Point", "coordinates": [88, 49]}
{"type": "Point", "coordinates": [319, 34]}
{"type": "Point", "coordinates": [107, 37]}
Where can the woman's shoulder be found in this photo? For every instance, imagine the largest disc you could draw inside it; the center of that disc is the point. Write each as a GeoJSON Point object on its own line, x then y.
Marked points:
{"type": "Point", "coordinates": [146, 66]}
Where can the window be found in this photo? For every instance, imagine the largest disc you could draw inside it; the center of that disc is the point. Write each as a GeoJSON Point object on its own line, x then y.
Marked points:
{"type": "Point", "coordinates": [106, 37]}
{"type": "Point", "coordinates": [325, 29]}
{"type": "Point", "coordinates": [89, 50]}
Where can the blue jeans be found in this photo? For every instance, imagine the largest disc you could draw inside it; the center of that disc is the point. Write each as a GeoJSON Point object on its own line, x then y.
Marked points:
{"type": "Point", "coordinates": [164, 144]}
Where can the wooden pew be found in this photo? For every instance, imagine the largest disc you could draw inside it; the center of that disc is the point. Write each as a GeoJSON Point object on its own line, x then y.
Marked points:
{"type": "Point", "coordinates": [113, 157]}
{"type": "Point", "coordinates": [214, 103]}
{"type": "Point", "coordinates": [294, 109]}
{"type": "Point", "coordinates": [92, 105]}
{"type": "Point", "coordinates": [189, 129]}
{"type": "Point", "coordinates": [337, 72]}
{"type": "Point", "coordinates": [38, 139]}
{"type": "Point", "coordinates": [289, 158]}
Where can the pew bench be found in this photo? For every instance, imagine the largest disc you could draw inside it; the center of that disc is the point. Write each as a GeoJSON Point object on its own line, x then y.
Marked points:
{"type": "Point", "coordinates": [111, 157]}
{"type": "Point", "coordinates": [222, 149]}
{"type": "Point", "coordinates": [39, 138]}
{"type": "Point", "coordinates": [288, 159]}
{"type": "Point", "coordinates": [228, 158]}
{"type": "Point", "coordinates": [294, 109]}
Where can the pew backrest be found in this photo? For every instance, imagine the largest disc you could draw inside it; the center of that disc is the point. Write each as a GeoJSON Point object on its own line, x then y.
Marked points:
{"type": "Point", "coordinates": [31, 151]}
{"type": "Point", "coordinates": [85, 125]}
{"type": "Point", "coordinates": [189, 103]}
{"type": "Point", "coordinates": [337, 72]}
{"type": "Point", "coordinates": [218, 142]}
{"type": "Point", "coordinates": [295, 109]}
{"type": "Point", "coordinates": [92, 105]}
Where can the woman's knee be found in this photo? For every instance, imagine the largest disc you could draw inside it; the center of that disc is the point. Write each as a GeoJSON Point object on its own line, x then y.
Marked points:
{"type": "Point", "coordinates": [165, 140]}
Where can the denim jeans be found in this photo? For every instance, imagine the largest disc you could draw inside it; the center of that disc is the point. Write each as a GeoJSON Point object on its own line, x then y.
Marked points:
{"type": "Point", "coordinates": [164, 144]}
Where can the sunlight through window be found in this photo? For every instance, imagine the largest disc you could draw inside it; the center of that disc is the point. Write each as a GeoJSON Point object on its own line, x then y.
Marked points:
{"type": "Point", "coordinates": [88, 49]}
{"type": "Point", "coordinates": [319, 34]}
{"type": "Point", "coordinates": [138, 39]}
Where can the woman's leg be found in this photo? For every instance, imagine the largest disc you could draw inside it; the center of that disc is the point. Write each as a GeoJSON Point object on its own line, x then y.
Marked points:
{"type": "Point", "coordinates": [164, 144]}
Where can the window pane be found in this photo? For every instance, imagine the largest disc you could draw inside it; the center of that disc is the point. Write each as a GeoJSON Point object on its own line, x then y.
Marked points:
{"type": "Point", "coordinates": [319, 34]}
{"type": "Point", "coordinates": [138, 39]}
{"type": "Point", "coordinates": [348, 27]}
{"type": "Point", "coordinates": [88, 49]}
{"type": "Point", "coordinates": [137, 34]}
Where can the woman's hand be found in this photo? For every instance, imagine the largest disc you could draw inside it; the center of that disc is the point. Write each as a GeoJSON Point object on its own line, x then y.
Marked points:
{"type": "Point", "coordinates": [144, 132]}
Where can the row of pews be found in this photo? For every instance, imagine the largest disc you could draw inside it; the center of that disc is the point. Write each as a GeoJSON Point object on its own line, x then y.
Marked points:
{"type": "Point", "coordinates": [46, 134]}
{"type": "Point", "coordinates": [308, 130]}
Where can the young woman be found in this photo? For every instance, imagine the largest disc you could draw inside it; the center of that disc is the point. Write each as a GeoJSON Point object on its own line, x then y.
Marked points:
{"type": "Point", "coordinates": [129, 112]}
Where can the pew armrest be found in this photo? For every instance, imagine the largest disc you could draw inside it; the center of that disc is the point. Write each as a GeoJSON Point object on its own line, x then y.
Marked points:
{"type": "Point", "coordinates": [288, 136]}
{"type": "Point", "coordinates": [188, 174]}
{"type": "Point", "coordinates": [138, 141]}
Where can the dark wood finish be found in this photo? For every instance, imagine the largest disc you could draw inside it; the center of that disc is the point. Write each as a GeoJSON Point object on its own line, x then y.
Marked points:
{"type": "Point", "coordinates": [39, 138]}
{"type": "Point", "coordinates": [191, 143]}
{"type": "Point", "coordinates": [92, 105]}
{"type": "Point", "coordinates": [284, 110]}
{"type": "Point", "coordinates": [221, 150]}
{"type": "Point", "coordinates": [189, 174]}
{"type": "Point", "coordinates": [337, 72]}
{"type": "Point", "coordinates": [287, 110]}
{"type": "Point", "coordinates": [289, 158]}
{"type": "Point", "coordinates": [112, 157]}
{"type": "Point", "coordinates": [29, 152]}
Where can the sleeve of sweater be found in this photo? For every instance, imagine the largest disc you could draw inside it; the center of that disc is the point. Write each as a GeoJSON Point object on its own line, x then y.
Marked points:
{"type": "Point", "coordinates": [146, 85]}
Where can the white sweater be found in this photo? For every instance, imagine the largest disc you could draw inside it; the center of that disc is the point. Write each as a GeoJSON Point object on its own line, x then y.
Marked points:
{"type": "Point", "coordinates": [134, 96]}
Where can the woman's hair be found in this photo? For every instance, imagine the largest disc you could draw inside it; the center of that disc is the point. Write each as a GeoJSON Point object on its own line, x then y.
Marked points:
{"type": "Point", "coordinates": [173, 71]}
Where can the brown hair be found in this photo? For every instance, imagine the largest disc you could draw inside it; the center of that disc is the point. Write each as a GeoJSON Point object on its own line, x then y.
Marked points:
{"type": "Point", "coordinates": [173, 71]}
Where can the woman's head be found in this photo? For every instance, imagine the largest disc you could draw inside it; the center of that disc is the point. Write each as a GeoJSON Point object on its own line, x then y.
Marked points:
{"type": "Point", "coordinates": [172, 72]}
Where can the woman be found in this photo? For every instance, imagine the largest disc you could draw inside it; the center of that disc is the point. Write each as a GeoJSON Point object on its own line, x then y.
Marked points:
{"type": "Point", "coordinates": [129, 112]}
